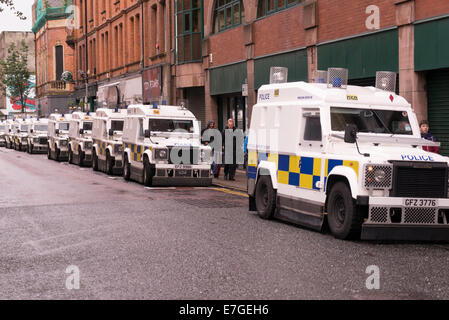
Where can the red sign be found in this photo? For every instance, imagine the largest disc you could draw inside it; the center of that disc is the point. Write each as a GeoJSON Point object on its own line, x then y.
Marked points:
{"type": "Point", "coordinates": [152, 85]}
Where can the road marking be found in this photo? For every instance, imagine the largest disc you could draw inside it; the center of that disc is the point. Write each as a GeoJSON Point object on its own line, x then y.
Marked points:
{"type": "Point", "coordinates": [160, 188]}
{"type": "Point", "coordinates": [237, 193]}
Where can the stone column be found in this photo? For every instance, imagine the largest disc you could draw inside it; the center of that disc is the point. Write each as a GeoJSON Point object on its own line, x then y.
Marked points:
{"type": "Point", "coordinates": [411, 84]}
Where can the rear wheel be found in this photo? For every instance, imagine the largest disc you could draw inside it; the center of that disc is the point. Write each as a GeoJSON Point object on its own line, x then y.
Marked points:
{"type": "Point", "coordinates": [345, 222]}
{"type": "Point", "coordinates": [94, 160]}
{"type": "Point", "coordinates": [108, 163]}
{"type": "Point", "coordinates": [126, 168]}
{"type": "Point", "coordinates": [70, 155]}
{"type": "Point", "coordinates": [265, 198]}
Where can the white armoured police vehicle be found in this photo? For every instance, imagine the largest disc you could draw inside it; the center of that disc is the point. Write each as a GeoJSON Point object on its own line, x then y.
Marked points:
{"type": "Point", "coordinates": [20, 134]}
{"type": "Point", "coordinates": [351, 154]}
{"type": "Point", "coordinates": [37, 136]}
{"type": "Point", "coordinates": [107, 134]}
{"type": "Point", "coordinates": [9, 133]}
{"type": "Point", "coordinates": [162, 146]}
{"type": "Point", "coordinates": [80, 139]}
{"type": "Point", "coordinates": [3, 131]}
{"type": "Point", "coordinates": [58, 136]}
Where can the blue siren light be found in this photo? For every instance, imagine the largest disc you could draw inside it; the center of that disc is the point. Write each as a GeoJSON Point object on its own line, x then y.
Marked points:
{"type": "Point", "coordinates": [337, 82]}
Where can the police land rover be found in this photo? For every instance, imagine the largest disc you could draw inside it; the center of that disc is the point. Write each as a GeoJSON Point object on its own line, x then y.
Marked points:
{"type": "Point", "coordinates": [37, 136]}
{"type": "Point", "coordinates": [346, 155]}
{"type": "Point", "coordinates": [20, 136]}
{"type": "Point", "coordinates": [80, 139]}
{"type": "Point", "coordinates": [162, 147]}
{"type": "Point", "coordinates": [107, 134]}
{"type": "Point", "coordinates": [9, 134]}
{"type": "Point", "coordinates": [58, 136]}
{"type": "Point", "coordinates": [3, 134]}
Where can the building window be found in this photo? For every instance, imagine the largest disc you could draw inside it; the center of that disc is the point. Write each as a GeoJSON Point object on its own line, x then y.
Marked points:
{"type": "Point", "coordinates": [189, 30]}
{"type": "Point", "coordinates": [59, 55]}
{"type": "Point", "coordinates": [267, 7]}
{"type": "Point", "coordinates": [228, 14]}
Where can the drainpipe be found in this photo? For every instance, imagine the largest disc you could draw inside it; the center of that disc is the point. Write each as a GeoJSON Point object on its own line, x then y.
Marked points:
{"type": "Point", "coordinates": [87, 58]}
{"type": "Point", "coordinates": [142, 47]}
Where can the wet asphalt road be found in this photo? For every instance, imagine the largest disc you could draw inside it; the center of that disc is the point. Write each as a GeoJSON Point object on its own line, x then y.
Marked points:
{"type": "Point", "coordinates": [130, 242]}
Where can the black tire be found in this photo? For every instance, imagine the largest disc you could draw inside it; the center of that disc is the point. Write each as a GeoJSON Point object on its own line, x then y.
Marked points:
{"type": "Point", "coordinates": [344, 220]}
{"type": "Point", "coordinates": [147, 174]}
{"type": "Point", "coordinates": [265, 198]}
{"type": "Point", "coordinates": [81, 157]}
{"type": "Point", "coordinates": [48, 152]}
{"type": "Point", "coordinates": [94, 160]}
{"type": "Point", "coordinates": [30, 148]}
{"type": "Point", "coordinates": [108, 163]}
{"type": "Point", "coordinates": [126, 168]}
{"type": "Point", "coordinates": [57, 153]}
{"type": "Point", "coordinates": [70, 155]}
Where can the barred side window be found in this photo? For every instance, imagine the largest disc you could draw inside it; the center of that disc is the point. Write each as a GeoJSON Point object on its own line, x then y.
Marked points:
{"type": "Point", "coordinates": [266, 7]}
{"type": "Point", "coordinates": [228, 14]}
{"type": "Point", "coordinates": [189, 30]}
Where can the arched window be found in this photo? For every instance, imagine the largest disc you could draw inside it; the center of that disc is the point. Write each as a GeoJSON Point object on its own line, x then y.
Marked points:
{"type": "Point", "coordinates": [266, 7]}
{"type": "Point", "coordinates": [228, 14]}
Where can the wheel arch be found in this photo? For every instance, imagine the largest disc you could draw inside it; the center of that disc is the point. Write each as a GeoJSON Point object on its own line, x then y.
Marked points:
{"type": "Point", "coordinates": [345, 175]}
{"type": "Point", "coordinates": [266, 168]}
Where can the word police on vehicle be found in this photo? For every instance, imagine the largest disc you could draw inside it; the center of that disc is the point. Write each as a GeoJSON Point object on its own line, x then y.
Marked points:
{"type": "Point", "coordinates": [350, 157]}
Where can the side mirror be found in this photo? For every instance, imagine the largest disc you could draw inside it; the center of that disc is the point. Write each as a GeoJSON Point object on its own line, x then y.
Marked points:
{"type": "Point", "coordinates": [57, 131]}
{"type": "Point", "coordinates": [31, 131]}
{"type": "Point", "coordinates": [350, 133]}
{"type": "Point", "coordinates": [147, 134]}
{"type": "Point", "coordinates": [111, 132]}
{"type": "Point", "coordinates": [81, 131]}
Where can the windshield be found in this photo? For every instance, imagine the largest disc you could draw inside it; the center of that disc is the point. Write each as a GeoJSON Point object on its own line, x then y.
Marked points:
{"type": "Point", "coordinates": [170, 125]}
{"type": "Point", "coordinates": [87, 126]}
{"type": "Point", "coordinates": [40, 127]}
{"type": "Point", "coordinates": [64, 126]}
{"type": "Point", "coordinates": [24, 128]}
{"type": "Point", "coordinates": [117, 125]}
{"type": "Point", "coordinates": [371, 120]}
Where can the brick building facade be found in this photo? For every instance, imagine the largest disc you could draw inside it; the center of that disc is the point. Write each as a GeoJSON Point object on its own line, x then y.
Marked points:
{"type": "Point", "coordinates": [54, 55]}
{"type": "Point", "coordinates": [201, 52]}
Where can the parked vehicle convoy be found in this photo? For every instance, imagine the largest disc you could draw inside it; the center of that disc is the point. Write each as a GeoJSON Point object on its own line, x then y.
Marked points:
{"type": "Point", "coordinates": [20, 136]}
{"type": "Point", "coordinates": [58, 136]}
{"type": "Point", "coordinates": [80, 139]}
{"type": "Point", "coordinates": [37, 136]}
{"type": "Point", "coordinates": [9, 134]}
{"type": "Point", "coordinates": [107, 134]}
{"type": "Point", "coordinates": [3, 134]}
{"type": "Point", "coordinates": [346, 155]}
{"type": "Point", "coordinates": [162, 147]}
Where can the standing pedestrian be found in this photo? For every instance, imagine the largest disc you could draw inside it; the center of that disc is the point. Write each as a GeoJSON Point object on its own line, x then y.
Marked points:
{"type": "Point", "coordinates": [425, 134]}
{"type": "Point", "coordinates": [215, 165]}
{"type": "Point", "coordinates": [230, 165]}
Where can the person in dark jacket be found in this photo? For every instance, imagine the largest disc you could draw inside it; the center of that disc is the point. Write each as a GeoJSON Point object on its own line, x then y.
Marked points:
{"type": "Point", "coordinates": [215, 165]}
{"type": "Point", "coordinates": [229, 167]}
{"type": "Point", "coordinates": [425, 134]}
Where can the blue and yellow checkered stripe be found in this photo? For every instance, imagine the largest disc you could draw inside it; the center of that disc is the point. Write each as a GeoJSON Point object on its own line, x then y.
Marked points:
{"type": "Point", "coordinates": [101, 147]}
{"type": "Point", "coordinates": [136, 151]}
{"type": "Point", "coordinates": [290, 172]}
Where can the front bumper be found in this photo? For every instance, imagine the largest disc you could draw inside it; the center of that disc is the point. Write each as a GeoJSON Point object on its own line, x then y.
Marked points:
{"type": "Point", "coordinates": [198, 175]}
{"type": "Point", "coordinates": [390, 219]}
{"type": "Point", "coordinates": [40, 147]}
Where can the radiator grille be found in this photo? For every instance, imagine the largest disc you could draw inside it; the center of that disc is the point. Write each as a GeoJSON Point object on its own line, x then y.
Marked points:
{"type": "Point", "coordinates": [183, 155]}
{"type": "Point", "coordinates": [379, 214]}
{"type": "Point", "coordinates": [420, 180]}
{"type": "Point", "coordinates": [420, 215]}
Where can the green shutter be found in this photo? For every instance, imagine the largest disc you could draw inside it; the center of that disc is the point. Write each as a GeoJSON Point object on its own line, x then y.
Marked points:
{"type": "Point", "coordinates": [438, 107]}
{"type": "Point", "coordinates": [227, 79]}
{"type": "Point", "coordinates": [362, 56]}
{"type": "Point", "coordinates": [432, 45]}
{"type": "Point", "coordinates": [296, 62]}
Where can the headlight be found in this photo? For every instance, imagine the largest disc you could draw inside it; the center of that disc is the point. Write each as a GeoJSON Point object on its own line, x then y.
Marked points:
{"type": "Point", "coordinates": [24, 139]}
{"type": "Point", "coordinates": [118, 148]}
{"type": "Point", "coordinates": [88, 145]}
{"type": "Point", "coordinates": [160, 154]}
{"type": "Point", "coordinates": [378, 176]}
{"type": "Point", "coordinates": [36, 140]}
{"type": "Point", "coordinates": [205, 155]}
{"type": "Point", "coordinates": [63, 143]}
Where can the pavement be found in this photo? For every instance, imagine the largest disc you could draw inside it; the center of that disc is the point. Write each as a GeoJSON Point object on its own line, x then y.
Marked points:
{"type": "Point", "coordinates": [132, 242]}
{"type": "Point", "coordinates": [240, 183]}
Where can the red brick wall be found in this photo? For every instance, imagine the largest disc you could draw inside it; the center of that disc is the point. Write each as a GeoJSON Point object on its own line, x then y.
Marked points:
{"type": "Point", "coordinates": [426, 9]}
{"type": "Point", "coordinates": [227, 46]}
{"type": "Point", "coordinates": [338, 19]}
{"type": "Point", "coordinates": [279, 32]}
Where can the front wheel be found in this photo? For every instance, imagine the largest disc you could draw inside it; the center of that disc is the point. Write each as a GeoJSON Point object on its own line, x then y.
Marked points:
{"type": "Point", "coordinates": [70, 155]}
{"type": "Point", "coordinates": [30, 148]}
{"type": "Point", "coordinates": [48, 152]}
{"type": "Point", "coordinates": [94, 160]}
{"type": "Point", "coordinates": [81, 155]}
{"type": "Point", "coordinates": [147, 176]}
{"type": "Point", "coordinates": [126, 168]}
{"type": "Point", "coordinates": [345, 222]}
{"type": "Point", "coordinates": [57, 153]}
{"type": "Point", "coordinates": [265, 198]}
{"type": "Point", "coordinates": [108, 163]}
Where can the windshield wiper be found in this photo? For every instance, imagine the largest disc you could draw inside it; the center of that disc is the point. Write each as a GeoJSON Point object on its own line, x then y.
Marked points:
{"type": "Point", "coordinates": [380, 120]}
